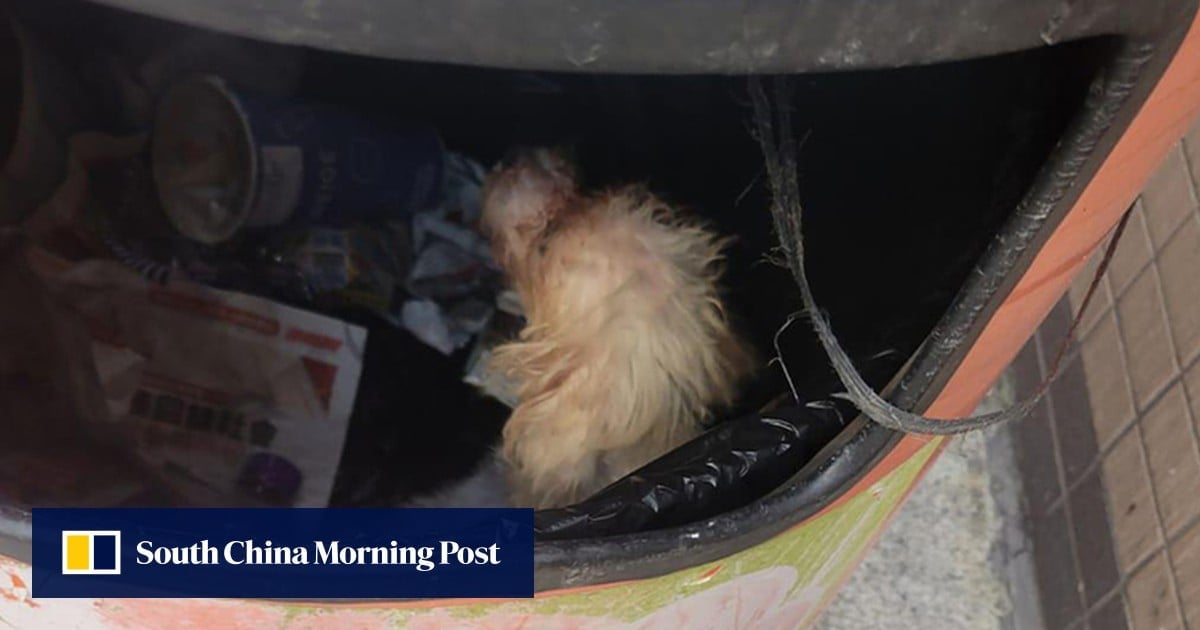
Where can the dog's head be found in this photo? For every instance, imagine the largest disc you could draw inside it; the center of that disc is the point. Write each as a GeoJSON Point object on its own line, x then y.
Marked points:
{"type": "Point", "coordinates": [522, 198]}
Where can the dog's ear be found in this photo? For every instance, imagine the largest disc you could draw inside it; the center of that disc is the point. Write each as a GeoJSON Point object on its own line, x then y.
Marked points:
{"type": "Point", "coordinates": [522, 197]}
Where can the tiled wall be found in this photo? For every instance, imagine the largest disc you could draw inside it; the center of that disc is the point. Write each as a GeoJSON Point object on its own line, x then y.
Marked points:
{"type": "Point", "coordinates": [1111, 460]}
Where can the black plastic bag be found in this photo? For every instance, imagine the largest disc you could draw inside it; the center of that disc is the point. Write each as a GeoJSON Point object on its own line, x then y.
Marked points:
{"type": "Point", "coordinates": [721, 470]}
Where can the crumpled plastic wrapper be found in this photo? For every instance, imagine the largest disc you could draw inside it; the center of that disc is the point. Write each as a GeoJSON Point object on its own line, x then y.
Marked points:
{"type": "Point", "coordinates": [504, 325]}
{"type": "Point", "coordinates": [359, 265]}
{"type": "Point", "coordinates": [55, 451]}
{"type": "Point", "coordinates": [453, 281]}
{"type": "Point", "coordinates": [229, 398]}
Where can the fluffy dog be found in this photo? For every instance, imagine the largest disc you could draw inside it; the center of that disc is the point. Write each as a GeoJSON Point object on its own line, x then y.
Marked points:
{"type": "Point", "coordinates": [626, 345]}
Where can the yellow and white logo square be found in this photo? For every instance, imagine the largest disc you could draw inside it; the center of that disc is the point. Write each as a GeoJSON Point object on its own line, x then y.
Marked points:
{"type": "Point", "coordinates": [91, 552]}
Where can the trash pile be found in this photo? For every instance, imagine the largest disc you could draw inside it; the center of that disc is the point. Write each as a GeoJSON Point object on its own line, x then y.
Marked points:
{"type": "Point", "coordinates": [205, 255]}
{"type": "Point", "coordinates": [233, 293]}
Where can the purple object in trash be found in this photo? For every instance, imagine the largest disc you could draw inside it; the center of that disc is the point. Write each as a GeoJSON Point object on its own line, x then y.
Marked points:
{"type": "Point", "coordinates": [271, 478]}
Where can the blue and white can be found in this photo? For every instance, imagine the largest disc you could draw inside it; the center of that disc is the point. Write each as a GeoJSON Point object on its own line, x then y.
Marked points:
{"type": "Point", "coordinates": [224, 161]}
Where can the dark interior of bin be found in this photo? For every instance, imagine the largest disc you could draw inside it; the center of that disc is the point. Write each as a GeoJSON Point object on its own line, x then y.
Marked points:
{"type": "Point", "coordinates": [906, 176]}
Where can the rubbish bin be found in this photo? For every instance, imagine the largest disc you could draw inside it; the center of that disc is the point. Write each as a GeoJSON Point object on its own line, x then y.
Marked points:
{"type": "Point", "coordinates": [961, 163]}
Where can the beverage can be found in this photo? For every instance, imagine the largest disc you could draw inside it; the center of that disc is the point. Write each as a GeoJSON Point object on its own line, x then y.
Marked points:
{"type": "Point", "coordinates": [225, 161]}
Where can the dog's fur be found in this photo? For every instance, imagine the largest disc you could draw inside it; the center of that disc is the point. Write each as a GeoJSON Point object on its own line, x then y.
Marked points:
{"type": "Point", "coordinates": [626, 346]}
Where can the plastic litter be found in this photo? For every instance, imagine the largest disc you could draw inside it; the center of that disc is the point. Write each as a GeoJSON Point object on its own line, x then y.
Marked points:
{"type": "Point", "coordinates": [227, 397]}
{"type": "Point", "coordinates": [721, 470]}
{"type": "Point", "coordinates": [453, 281]}
{"type": "Point", "coordinates": [505, 324]}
